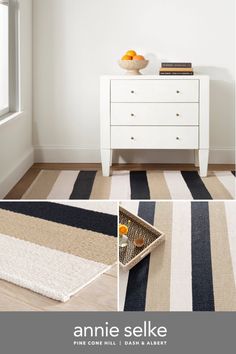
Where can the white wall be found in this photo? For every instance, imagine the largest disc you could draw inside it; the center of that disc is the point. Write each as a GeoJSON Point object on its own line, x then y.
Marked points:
{"type": "Point", "coordinates": [75, 41]}
{"type": "Point", "coordinates": [4, 56]}
{"type": "Point", "coordinates": [16, 151]}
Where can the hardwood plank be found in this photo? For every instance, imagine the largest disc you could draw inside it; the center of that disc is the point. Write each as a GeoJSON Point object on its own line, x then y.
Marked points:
{"type": "Point", "coordinates": [19, 189]}
{"type": "Point", "coordinates": [24, 296]}
{"type": "Point", "coordinates": [129, 166]}
{"type": "Point", "coordinates": [100, 295]}
{"type": "Point", "coordinates": [9, 303]}
{"type": "Point", "coordinates": [161, 167]}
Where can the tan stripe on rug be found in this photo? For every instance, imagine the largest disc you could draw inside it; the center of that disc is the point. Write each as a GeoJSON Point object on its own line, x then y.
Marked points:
{"type": "Point", "coordinates": [157, 185]}
{"type": "Point", "coordinates": [222, 269]}
{"type": "Point", "coordinates": [79, 242]}
{"type": "Point", "coordinates": [216, 189]}
{"type": "Point", "coordinates": [101, 187]}
{"type": "Point", "coordinates": [42, 185]}
{"type": "Point", "coordinates": [228, 180]}
{"type": "Point", "coordinates": [230, 211]}
{"type": "Point", "coordinates": [158, 287]}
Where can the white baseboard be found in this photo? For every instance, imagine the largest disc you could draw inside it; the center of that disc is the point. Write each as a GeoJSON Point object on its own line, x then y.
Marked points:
{"type": "Point", "coordinates": [76, 155]}
{"type": "Point", "coordinates": [10, 180]}
{"type": "Point", "coordinates": [66, 155]}
{"type": "Point", "coordinates": [226, 156]}
{"type": "Point", "coordinates": [216, 156]}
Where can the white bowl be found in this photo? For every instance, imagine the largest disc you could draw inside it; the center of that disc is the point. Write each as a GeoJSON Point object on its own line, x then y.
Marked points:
{"type": "Point", "coordinates": [132, 67]}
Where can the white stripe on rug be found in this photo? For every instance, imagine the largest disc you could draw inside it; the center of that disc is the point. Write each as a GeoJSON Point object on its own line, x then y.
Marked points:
{"type": "Point", "coordinates": [228, 180]}
{"type": "Point", "coordinates": [63, 186]}
{"type": "Point", "coordinates": [181, 277]}
{"type": "Point", "coordinates": [49, 272]}
{"type": "Point", "coordinates": [120, 185]}
{"type": "Point", "coordinates": [131, 206]}
{"type": "Point", "coordinates": [123, 281]}
{"type": "Point", "coordinates": [177, 186]}
{"type": "Point", "coordinates": [230, 209]}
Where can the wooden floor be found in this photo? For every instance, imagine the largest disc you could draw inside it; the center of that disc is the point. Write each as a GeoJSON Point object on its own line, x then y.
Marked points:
{"type": "Point", "coordinates": [19, 189]}
{"type": "Point", "coordinates": [100, 295]}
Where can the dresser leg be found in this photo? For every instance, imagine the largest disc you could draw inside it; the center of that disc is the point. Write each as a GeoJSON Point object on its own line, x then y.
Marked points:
{"type": "Point", "coordinates": [111, 158]}
{"type": "Point", "coordinates": [203, 161]}
{"type": "Point", "coordinates": [106, 160]}
{"type": "Point", "coordinates": [196, 158]}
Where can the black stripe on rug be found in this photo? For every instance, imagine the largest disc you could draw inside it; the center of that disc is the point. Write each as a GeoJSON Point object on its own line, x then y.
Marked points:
{"type": "Point", "coordinates": [83, 185]}
{"type": "Point", "coordinates": [202, 282]}
{"type": "Point", "coordinates": [138, 276]}
{"type": "Point", "coordinates": [68, 215]}
{"type": "Point", "coordinates": [139, 185]}
{"type": "Point", "coordinates": [233, 173]}
{"type": "Point", "coordinates": [196, 185]}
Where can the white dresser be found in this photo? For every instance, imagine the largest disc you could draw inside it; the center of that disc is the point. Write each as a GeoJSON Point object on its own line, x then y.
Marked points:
{"type": "Point", "coordinates": [155, 112]}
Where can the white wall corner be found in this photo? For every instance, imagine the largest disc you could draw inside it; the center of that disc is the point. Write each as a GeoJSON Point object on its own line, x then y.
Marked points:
{"type": "Point", "coordinates": [10, 180]}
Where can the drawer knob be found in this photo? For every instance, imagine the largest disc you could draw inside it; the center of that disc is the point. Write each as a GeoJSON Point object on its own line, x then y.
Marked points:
{"type": "Point", "coordinates": [177, 91]}
{"type": "Point", "coordinates": [132, 138]}
{"type": "Point", "coordinates": [132, 91]}
{"type": "Point", "coordinates": [177, 138]}
{"type": "Point", "coordinates": [132, 114]}
{"type": "Point", "coordinates": [177, 114]}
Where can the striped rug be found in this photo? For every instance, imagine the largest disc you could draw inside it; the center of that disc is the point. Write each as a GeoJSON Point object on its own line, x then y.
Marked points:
{"type": "Point", "coordinates": [55, 249]}
{"type": "Point", "coordinates": [194, 269]}
{"type": "Point", "coordinates": [123, 185]}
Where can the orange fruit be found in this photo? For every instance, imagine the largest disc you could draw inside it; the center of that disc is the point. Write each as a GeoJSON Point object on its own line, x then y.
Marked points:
{"type": "Point", "coordinates": [132, 53]}
{"type": "Point", "coordinates": [139, 242]}
{"type": "Point", "coordinates": [126, 57]}
{"type": "Point", "coordinates": [123, 229]}
{"type": "Point", "coordinates": [138, 57]}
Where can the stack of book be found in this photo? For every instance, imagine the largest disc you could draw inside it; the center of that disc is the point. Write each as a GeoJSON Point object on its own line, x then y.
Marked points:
{"type": "Point", "coordinates": [176, 69]}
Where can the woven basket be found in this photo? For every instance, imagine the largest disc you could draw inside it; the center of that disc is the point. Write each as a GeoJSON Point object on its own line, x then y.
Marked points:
{"type": "Point", "coordinates": [130, 255]}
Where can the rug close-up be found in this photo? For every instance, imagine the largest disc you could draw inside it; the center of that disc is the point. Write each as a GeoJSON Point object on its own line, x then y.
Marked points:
{"type": "Point", "coordinates": [54, 249]}
{"type": "Point", "coordinates": [194, 269]}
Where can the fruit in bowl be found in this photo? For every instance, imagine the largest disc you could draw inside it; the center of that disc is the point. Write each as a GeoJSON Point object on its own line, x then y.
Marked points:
{"type": "Point", "coordinates": [132, 62]}
{"type": "Point", "coordinates": [138, 57]}
{"type": "Point", "coordinates": [126, 57]}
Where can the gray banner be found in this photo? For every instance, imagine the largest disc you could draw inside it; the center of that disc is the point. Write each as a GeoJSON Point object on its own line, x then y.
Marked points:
{"type": "Point", "coordinates": [66, 333]}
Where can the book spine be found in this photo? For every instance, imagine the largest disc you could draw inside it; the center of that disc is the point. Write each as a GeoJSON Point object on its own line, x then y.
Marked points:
{"type": "Point", "coordinates": [176, 69]}
{"type": "Point", "coordinates": [176, 65]}
{"type": "Point", "coordinates": [175, 73]}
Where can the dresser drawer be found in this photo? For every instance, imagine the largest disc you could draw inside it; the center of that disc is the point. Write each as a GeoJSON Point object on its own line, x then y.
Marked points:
{"type": "Point", "coordinates": [154, 114]}
{"type": "Point", "coordinates": [154, 90]}
{"type": "Point", "coordinates": [154, 137]}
